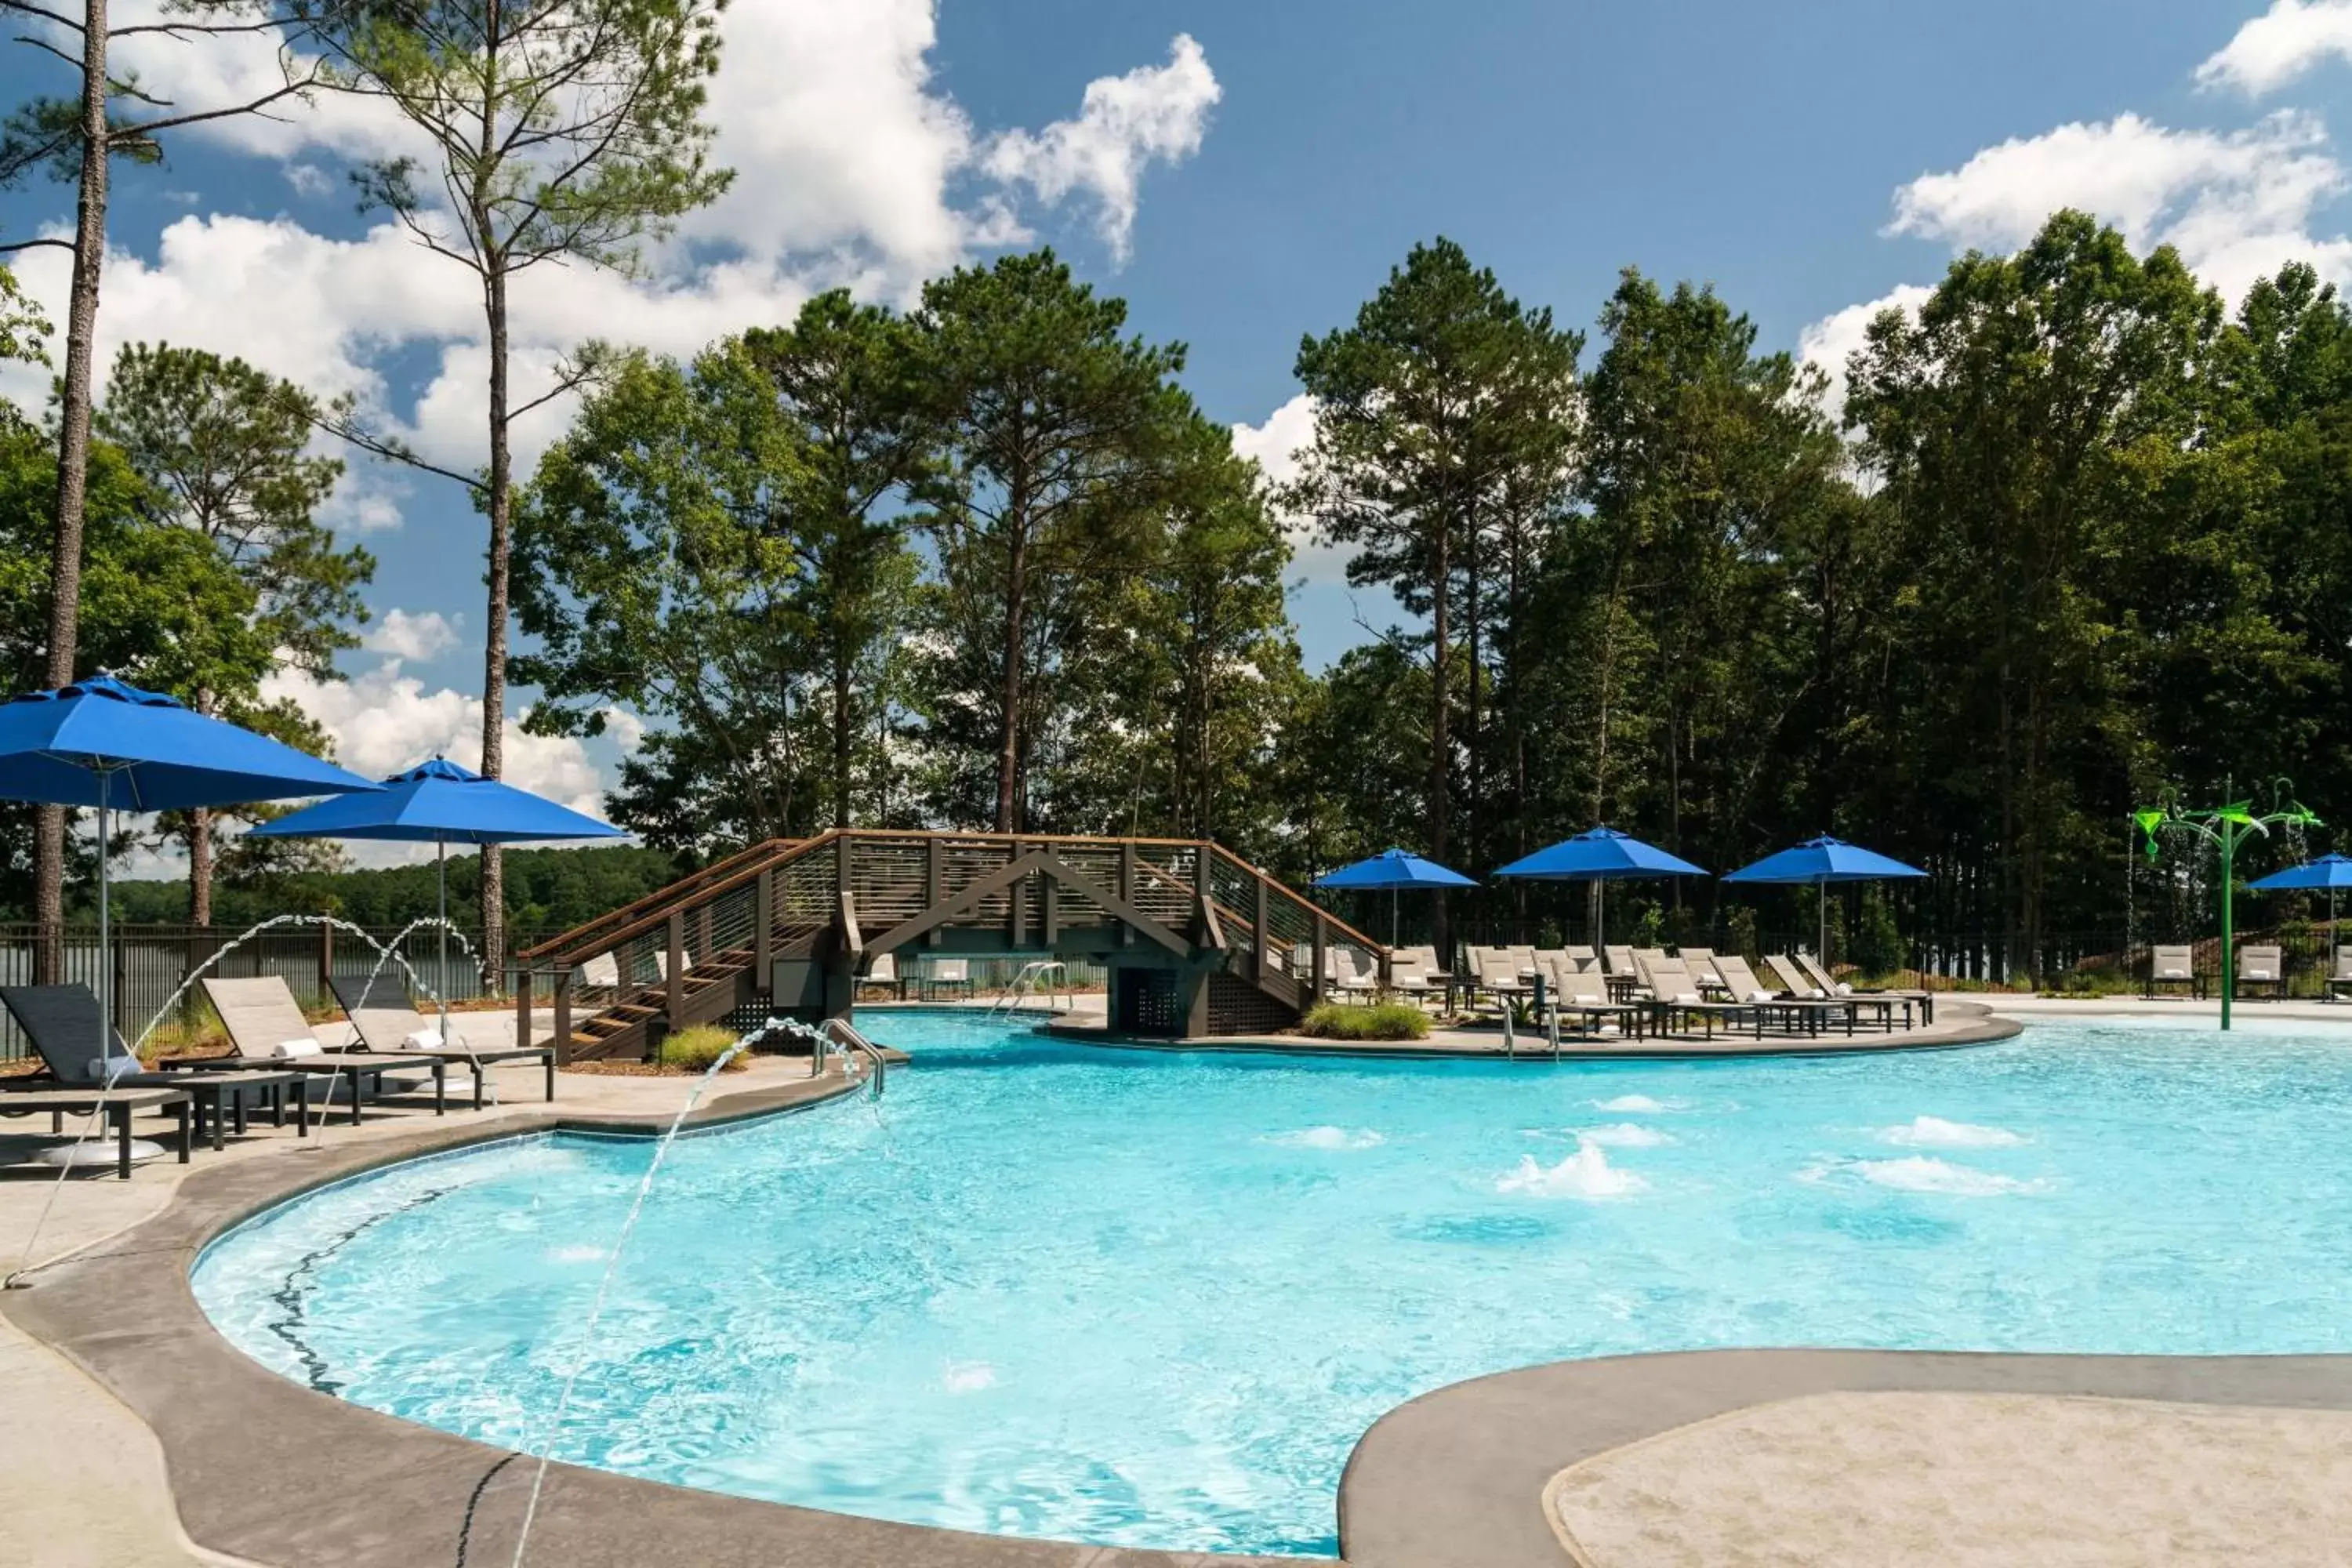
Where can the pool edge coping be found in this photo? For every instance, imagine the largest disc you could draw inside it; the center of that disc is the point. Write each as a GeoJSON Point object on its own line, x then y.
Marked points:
{"type": "Point", "coordinates": [1444, 1473]}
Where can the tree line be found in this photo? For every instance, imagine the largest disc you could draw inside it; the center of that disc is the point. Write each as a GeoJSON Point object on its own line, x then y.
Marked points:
{"type": "Point", "coordinates": [2069, 536]}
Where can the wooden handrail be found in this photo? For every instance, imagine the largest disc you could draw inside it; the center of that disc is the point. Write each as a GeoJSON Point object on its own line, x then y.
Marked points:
{"type": "Point", "coordinates": [716, 880]}
{"type": "Point", "coordinates": [1312, 908]}
{"type": "Point", "coordinates": [598, 941]}
{"type": "Point", "coordinates": [661, 896]}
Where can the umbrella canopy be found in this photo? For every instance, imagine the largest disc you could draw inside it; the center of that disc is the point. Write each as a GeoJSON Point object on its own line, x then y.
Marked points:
{"type": "Point", "coordinates": [103, 742]}
{"type": "Point", "coordinates": [1395, 869]}
{"type": "Point", "coordinates": [1598, 854]}
{"type": "Point", "coordinates": [106, 744]}
{"type": "Point", "coordinates": [441, 803]}
{"type": "Point", "coordinates": [1821, 861]}
{"type": "Point", "coordinates": [2329, 871]}
{"type": "Point", "coordinates": [1603, 852]}
{"type": "Point", "coordinates": [1824, 859]}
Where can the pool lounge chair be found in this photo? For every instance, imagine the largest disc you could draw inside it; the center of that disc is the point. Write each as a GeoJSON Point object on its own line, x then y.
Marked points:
{"type": "Point", "coordinates": [383, 1018]}
{"type": "Point", "coordinates": [1496, 971]}
{"type": "Point", "coordinates": [945, 972]}
{"type": "Point", "coordinates": [882, 974]}
{"type": "Point", "coordinates": [2340, 977]}
{"type": "Point", "coordinates": [2174, 966]}
{"type": "Point", "coordinates": [1801, 985]}
{"type": "Point", "coordinates": [61, 1024]}
{"type": "Point", "coordinates": [2262, 966]}
{"type": "Point", "coordinates": [1584, 994]}
{"type": "Point", "coordinates": [1829, 986]}
{"type": "Point", "coordinates": [1774, 1002]}
{"type": "Point", "coordinates": [1674, 995]}
{"type": "Point", "coordinates": [1700, 962]}
{"type": "Point", "coordinates": [1413, 972]}
{"type": "Point", "coordinates": [267, 1029]}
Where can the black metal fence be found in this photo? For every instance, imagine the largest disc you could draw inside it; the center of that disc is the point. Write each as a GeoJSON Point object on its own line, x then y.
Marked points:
{"type": "Point", "coordinates": [151, 963]}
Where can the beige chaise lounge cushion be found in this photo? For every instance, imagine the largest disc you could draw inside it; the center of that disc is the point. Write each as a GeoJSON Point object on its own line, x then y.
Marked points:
{"type": "Point", "coordinates": [259, 1014]}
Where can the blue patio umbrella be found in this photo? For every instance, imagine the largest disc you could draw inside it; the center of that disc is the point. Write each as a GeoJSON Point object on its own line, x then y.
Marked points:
{"type": "Point", "coordinates": [1394, 869]}
{"type": "Point", "coordinates": [105, 743]}
{"type": "Point", "coordinates": [1600, 856]}
{"type": "Point", "coordinates": [440, 804]}
{"type": "Point", "coordinates": [1817, 862]}
{"type": "Point", "coordinates": [2329, 871]}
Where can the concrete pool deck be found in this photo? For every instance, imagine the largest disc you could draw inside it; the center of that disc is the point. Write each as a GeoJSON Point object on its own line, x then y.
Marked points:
{"type": "Point", "coordinates": [133, 1421]}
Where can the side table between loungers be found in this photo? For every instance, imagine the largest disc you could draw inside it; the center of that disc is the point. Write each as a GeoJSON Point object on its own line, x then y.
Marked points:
{"type": "Point", "coordinates": [119, 1104]}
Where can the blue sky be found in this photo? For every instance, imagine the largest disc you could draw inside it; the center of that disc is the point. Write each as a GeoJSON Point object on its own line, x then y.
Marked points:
{"type": "Point", "coordinates": [1243, 174]}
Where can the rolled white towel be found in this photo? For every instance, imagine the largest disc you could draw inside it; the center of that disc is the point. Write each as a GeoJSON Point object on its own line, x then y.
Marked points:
{"type": "Point", "coordinates": [1761, 996]}
{"type": "Point", "coordinates": [305, 1047]}
{"type": "Point", "coordinates": [429, 1038]}
{"type": "Point", "coordinates": [107, 1069]}
{"type": "Point", "coordinates": [1844, 989]}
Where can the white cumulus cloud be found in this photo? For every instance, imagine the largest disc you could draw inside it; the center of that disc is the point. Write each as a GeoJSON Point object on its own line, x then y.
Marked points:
{"type": "Point", "coordinates": [383, 722]}
{"type": "Point", "coordinates": [2235, 204]}
{"type": "Point", "coordinates": [403, 634]}
{"type": "Point", "coordinates": [1831, 342]}
{"type": "Point", "coordinates": [1279, 446]}
{"type": "Point", "coordinates": [2280, 45]}
{"type": "Point", "coordinates": [1153, 113]}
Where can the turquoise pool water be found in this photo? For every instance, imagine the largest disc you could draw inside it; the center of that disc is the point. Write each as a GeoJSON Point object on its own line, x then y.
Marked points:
{"type": "Point", "coordinates": [1150, 1298]}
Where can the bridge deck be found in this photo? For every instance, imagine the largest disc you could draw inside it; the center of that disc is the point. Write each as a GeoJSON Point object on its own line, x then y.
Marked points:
{"type": "Point", "coordinates": [1197, 941]}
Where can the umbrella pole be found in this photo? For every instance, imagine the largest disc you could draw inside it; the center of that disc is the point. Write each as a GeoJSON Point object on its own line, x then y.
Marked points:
{"type": "Point", "coordinates": [105, 930]}
{"type": "Point", "coordinates": [1821, 914]}
{"type": "Point", "coordinates": [441, 876]}
{"type": "Point", "coordinates": [1393, 916]}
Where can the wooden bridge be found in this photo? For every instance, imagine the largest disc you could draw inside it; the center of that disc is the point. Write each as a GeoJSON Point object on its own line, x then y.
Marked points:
{"type": "Point", "coordinates": [1196, 940]}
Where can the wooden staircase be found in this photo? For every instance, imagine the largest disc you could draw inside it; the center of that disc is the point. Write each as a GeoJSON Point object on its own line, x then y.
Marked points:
{"type": "Point", "coordinates": [788, 924]}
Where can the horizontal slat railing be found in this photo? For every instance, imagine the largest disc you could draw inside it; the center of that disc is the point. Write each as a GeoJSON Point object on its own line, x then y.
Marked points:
{"type": "Point", "coordinates": [607, 928]}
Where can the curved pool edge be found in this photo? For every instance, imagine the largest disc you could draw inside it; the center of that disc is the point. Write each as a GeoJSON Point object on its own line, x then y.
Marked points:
{"type": "Point", "coordinates": [1457, 1478]}
{"type": "Point", "coordinates": [1454, 1476]}
{"type": "Point", "coordinates": [1970, 1022]}
{"type": "Point", "coordinates": [264, 1470]}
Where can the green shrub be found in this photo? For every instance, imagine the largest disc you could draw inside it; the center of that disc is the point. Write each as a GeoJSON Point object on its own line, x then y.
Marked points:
{"type": "Point", "coordinates": [694, 1049]}
{"type": "Point", "coordinates": [1354, 1021]}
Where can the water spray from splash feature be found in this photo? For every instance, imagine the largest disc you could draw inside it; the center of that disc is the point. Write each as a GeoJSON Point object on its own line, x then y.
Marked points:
{"type": "Point", "coordinates": [587, 1335]}
{"type": "Point", "coordinates": [20, 1277]}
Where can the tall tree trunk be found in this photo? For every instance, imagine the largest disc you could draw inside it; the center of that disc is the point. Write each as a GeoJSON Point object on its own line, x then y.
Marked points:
{"type": "Point", "coordinates": [840, 742]}
{"type": "Point", "coordinates": [200, 844]}
{"type": "Point", "coordinates": [1440, 736]}
{"type": "Point", "coordinates": [1008, 755]}
{"type": "Point", "coordinates": [494, 648]}
{"type": "Point", "coordinates": [73, 471]}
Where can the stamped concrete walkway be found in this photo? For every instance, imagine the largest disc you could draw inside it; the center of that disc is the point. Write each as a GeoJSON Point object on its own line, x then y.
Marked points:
{"type": "Point", "coordinates": [1969, 1480]}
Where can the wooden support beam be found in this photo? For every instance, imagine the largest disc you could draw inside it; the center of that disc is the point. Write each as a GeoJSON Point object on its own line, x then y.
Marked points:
{"type": "Point", "coordinates": [934, 875]}
{"type": "Point", "coordinates": [853, 941]}
{"type": "Point", "coordinates": [1016, 903]}
{"type": "Point", "coordinates": [763, 929]}
{"type": "Point", "coordinates": [564, 974]}
{"type": "Point", "coordinates": [674, 971]}
{"type": "Point", "coordinates": [1322, 945]}
{"type": "Point", "coordinates": [1050, 920]}
{"type": "Point", "coordinates": [1258, 933]}
{"type": "Point", "coordinates": [1212, 933]}
{"type": "Point", "coordinates": [522, 1006]}
{"type": "Point", "coordinates": [1126, 886]}
{"type": "Point", "coordinates": [1037, 860]}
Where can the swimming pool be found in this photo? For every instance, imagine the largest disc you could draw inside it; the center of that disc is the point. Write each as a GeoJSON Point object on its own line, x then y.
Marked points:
{"type": "Point", "coordinates": [1153, 1299]}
